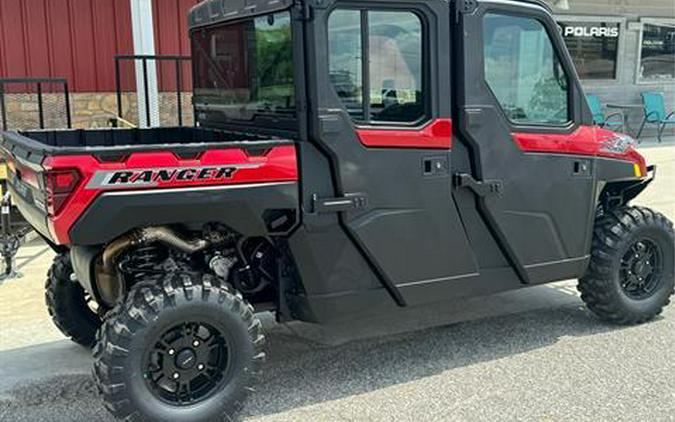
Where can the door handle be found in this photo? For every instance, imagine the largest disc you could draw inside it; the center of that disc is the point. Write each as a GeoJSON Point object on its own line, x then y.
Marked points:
{"type": "Point", "coordinates": [480, 188]}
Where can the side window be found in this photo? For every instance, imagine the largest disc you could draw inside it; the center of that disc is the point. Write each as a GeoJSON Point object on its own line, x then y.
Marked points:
{"type": "Point", "coordinates": [524, 71]}
{"type": "Point", "coordinates": [375, 64]}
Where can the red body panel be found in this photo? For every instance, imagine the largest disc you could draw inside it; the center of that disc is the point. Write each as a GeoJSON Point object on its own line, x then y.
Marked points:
{"type": "Point", "coordinates": [590, 141]}
{"type": "Point", "coordinates": [278, 164]}
{"type": "Point", "coordinates": [435, 135]}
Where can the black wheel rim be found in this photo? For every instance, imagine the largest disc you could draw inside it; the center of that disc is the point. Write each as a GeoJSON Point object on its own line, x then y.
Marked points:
{"type": "Point", "coordinates": [188, 363]}
{"type": "Point", "coordinates": [641, 268]}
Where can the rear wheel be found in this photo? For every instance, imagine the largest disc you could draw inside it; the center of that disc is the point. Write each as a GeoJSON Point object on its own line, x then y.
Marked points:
{"type": "Point", "coordinates": [181, 349]}
{"type": "Point", "coordinates": [70, 306]}
{"type": "Point", "coordinates": [631, 275]}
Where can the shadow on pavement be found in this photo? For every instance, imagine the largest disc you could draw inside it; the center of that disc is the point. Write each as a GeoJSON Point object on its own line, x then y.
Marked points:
{"type": "Point", "coordinates": [52, 382]}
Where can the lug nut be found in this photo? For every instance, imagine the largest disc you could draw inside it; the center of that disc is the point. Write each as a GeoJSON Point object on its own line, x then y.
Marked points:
{"type": "Point", "coordinates": [195, 343]}
{"type": "Point", "coordinates": [200, 366]}
{"type": "Point", "coordinates": [176, 375]}
{"type": "Point", "coordinates": [172, 352]}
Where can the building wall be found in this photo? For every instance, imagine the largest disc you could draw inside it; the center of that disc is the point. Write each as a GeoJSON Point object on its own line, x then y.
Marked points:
{"type": "Point", "coordinates": [78, 40]}
{"type": "Point", "coordinates": [73, 39]}
{"type": "Point", "coordinates": [626, 89]}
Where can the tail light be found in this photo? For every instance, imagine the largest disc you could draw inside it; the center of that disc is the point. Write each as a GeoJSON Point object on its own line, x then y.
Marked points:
{"type": "Point", "coordinates": [59, 184]}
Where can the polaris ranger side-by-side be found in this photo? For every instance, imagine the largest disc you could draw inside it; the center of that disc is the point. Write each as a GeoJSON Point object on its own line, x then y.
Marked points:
{"type": "Point", "coordinates": [350, 158]}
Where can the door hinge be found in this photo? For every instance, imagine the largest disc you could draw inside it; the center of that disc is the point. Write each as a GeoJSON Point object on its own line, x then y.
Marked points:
{"type": "Point", "coordinates": [348, 202]}
{"type": "Point", "coordinates": [305, 9]}
{"type": "Point", "coordinates": [464, 7]}
{"type": "Point", "coordinates": [480, 188]}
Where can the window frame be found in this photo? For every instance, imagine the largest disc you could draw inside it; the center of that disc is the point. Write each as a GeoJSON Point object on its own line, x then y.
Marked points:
{"type": "Point", "coordinates": [427, 94]}
{"type": "Point", "coordinates": [649, 81]}
{"type": "Point", "coordinates": [534, 126]}
{"type": "Point", "coordinates": [621, 45]}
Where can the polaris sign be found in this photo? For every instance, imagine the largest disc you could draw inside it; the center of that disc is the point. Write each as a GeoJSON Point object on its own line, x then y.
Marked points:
{"type": "Point", "coordinates": [589, 31]}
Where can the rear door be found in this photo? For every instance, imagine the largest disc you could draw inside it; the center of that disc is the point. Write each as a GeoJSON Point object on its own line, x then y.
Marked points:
{"type": "Point", "coordinates": [382, 114]}
{"type": "Point", "coordinates": [520, 111]}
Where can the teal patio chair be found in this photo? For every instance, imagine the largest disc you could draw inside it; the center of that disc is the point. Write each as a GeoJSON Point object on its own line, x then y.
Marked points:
{"type": "Point", "coordinates": [655, 113]}
{"type": "Point", "coordinates": [599, 117]}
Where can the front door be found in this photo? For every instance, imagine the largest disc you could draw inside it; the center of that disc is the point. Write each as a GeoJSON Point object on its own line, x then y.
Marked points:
{"type": "Point", "coordinates": [382, 114]}
{"type": "Point", "coordinates": [519, 112]}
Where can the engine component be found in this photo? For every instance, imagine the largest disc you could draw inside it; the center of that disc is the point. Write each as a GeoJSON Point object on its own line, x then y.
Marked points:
{"type": "Point", "coordinates": [108, 281]}
{"type": "Point", "coordinates": [148, 235]}
{"type": "Point", "coordinates": [256, 270]}
{"type": "Point", "coordinates": [108, 285]}
{"type": "Point", "coordinates": [221, 265]}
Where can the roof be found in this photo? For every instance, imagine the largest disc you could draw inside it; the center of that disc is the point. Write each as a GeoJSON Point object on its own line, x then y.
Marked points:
{"type": "Point", "coordinates": [212, 11]}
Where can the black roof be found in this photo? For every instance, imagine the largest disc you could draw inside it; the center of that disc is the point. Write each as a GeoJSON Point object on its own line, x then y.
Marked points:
{"type": "Point", "coordinates": [212, 11]}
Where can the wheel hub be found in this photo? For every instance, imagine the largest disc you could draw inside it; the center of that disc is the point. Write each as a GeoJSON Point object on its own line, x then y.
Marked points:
{"type": "Point", "coordinates": [640, 272]}
{"type": "Point", "coordinates": [186, 359]}
{"type": "Point", "coordinates": [187, 363]}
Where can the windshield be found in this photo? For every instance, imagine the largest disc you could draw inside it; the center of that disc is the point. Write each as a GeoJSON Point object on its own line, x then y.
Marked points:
{"type": "Point", "coordinates": [245, 69]}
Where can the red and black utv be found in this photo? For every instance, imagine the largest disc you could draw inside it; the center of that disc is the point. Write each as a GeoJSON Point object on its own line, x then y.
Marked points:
{"type": "Point", "coordinates": [350, 158]}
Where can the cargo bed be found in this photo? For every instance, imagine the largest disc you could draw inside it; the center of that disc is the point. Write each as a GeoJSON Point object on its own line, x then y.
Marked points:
{"type": "Point", "coordinates": [34, 145]}
{"type": "Point", "coordinates": [55, 176]}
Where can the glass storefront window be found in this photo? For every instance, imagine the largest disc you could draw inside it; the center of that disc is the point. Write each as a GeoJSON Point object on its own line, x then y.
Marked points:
{"type": "Point", "coordinates": [657, 50]}
{"type": "Point", "coordinates": [594, 47]}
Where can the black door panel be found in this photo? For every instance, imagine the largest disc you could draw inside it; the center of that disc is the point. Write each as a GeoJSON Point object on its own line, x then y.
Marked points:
{"type": "Point", "coordinates": [410, 230]}
{"type": "Point", "coordinates": [541, 215]}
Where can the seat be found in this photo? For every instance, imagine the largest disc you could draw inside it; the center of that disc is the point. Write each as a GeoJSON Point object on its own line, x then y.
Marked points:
{"type": "Point", "coordinates": [655, 113]}
{"type": "Point", "coordinates": [599, 117]}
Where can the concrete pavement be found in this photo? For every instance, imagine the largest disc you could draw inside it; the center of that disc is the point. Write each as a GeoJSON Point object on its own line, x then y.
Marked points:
{"type": "Point", "coordinates": [534, 354]}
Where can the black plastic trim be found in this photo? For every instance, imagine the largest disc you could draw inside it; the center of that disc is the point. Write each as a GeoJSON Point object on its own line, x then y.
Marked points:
{"type": "Point", "coordinates": [241, 207]}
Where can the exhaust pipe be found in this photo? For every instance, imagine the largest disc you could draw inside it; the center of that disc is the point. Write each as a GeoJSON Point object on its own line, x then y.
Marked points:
{"type": "Point", "coordinates": [108, 284]}
{"type": "Point", "coordinates": [147, 235]}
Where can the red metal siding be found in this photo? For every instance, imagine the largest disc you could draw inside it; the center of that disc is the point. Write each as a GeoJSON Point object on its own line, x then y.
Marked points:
{"type": "Point", "coordinates": [74, 39]}
{"type": "Point", "coordinates": [171, 38]}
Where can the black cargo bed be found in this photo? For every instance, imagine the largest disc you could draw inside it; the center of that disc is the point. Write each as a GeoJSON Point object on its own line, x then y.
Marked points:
{"type": "Point", "coordinates": [34, 145]}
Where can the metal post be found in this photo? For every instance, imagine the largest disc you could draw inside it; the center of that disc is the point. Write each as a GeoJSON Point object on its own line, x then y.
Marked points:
{"type": "Point", "coordinates": [5, 212]}
{"type": "Point", "coordinates": [3, 112]}
{"type": "Point", "coordinates": [41, 116]}
{"type": "Point", "coordinates": [146, 92]}
{"type": "Point", "coordinates": [66, 93]}
{"type": "Point", "coordinates": [179, 88]}
{"type": "Point", "coordinates": [118, 83]}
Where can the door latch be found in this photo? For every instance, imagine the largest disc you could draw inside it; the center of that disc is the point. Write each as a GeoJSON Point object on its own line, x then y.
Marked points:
{"type": "Point", "coordinates": [434, 166]}
{"type": "Point", "coordinates": [480, 188]}
{"type": "Point", "coordinates": [348, 202]}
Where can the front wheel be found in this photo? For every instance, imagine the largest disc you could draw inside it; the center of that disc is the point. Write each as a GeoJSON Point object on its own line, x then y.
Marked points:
{"type": "Point", "coordinates": [631, 275]}
{"type": "Point", "coordinates": [181, 349]}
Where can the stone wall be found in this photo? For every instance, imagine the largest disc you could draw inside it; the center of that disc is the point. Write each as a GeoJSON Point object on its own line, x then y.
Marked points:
{"type": "Point", "coordinates": [88, 110]}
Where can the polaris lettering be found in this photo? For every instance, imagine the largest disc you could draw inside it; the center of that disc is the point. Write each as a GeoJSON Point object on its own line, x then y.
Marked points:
{"type": "Point", "coordinates": [160, 176]}
{"type": "Point", "coordinates": [594, 31]}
